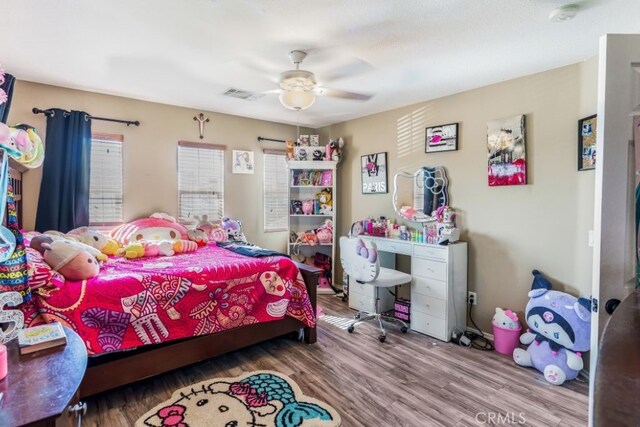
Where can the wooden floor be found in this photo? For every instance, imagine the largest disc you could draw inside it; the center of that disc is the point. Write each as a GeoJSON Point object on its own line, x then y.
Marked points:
{"type": "Point", "coordinates": [410, 380]}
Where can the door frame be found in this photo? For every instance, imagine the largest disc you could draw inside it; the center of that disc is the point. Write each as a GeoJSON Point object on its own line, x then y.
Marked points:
{"type": "Point", "coordinates": [614, 217]}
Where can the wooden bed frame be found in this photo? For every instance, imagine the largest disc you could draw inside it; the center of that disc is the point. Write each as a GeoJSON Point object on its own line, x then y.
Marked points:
{"type": "Point", "coordinates": [109, 371]}
{"type": "Point", "coordinates": [114, 370]}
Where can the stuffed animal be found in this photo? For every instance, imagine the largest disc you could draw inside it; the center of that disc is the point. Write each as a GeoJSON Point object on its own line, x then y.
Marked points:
{"type": "Point", "coordinates": [204, 224]}
{"type": "Point", "coordinates": [96, 239]}
{"type": "Point", "coordinates": [233, 228]}
{"type": "Point", "coordinates": [308, 238]}
{"type": "Point", "coordinates": [559, 332]}
{"type": "Point", "coordinates": [141, 248]}
{"type": "Point", "coordinates": [506, 319]}
{"type": "Point", "coordinates": [324, 233]}
{"type": "Point", "coordinates": [71, 259]}
{"type": "Point", "coordinates": [157, 227]}
{"type": "Point", "coordinates": [198, 236]}
{"type": "Point", "coordinates": [290, 150]}
{"type": "Point", "coordinates": [334, 150]}
{"type": "Point", "coordinates": [302, 154]}
{"type": "Point", "coordinates": [317, 155]}
{"type": "Point", "coordinates": [357, 228]}
{"type": "Point", "coordinates": [296, 207]}
{"type": "Point", "coordinates": [307, 207]}
{"type": "Point", "coordinates": [326, 203]}
{"type": "Point", "coordinates": [37, 242]}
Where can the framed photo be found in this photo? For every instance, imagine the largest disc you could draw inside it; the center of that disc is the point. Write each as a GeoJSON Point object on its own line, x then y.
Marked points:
{"type": "Point", "coordinates": [507, 151]}
{"type": "Point", "coordinates": [242, 162]}
{"type": "Point", "coordinates": [374, 173]}
{"type": "Point", "coordinates": [587, 143]}
{"type": "Point", "coordinates": [441, 138]}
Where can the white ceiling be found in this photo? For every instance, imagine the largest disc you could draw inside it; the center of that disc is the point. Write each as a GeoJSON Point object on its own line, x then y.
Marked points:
{"type": "Point", "coordinates": [188, 52]}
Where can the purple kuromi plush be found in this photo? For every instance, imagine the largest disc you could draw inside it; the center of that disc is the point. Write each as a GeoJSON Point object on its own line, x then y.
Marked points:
{"type": "Point", "coordinates": [559, 332]}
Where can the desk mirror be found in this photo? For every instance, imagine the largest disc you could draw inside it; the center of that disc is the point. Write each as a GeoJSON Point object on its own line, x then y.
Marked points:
{"type": "Point", "coordinates": [417, 195]}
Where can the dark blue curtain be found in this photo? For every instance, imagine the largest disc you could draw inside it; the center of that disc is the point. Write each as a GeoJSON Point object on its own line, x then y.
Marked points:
{"type": "Point", "coordinates": [9, 80]}
{"type": "Point", "coordinates": [64, 192]}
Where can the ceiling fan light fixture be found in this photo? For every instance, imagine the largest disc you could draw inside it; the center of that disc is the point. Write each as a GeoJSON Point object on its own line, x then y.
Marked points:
{"type": "Point", "coordinates": [297, 99]}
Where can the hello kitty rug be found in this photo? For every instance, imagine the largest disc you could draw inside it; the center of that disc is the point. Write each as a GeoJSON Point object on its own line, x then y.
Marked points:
{"type": "Point", "coordinates": [255, 399]}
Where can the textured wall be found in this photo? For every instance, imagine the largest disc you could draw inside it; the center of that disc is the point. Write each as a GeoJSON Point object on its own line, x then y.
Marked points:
{"type": "Point", "coordinates": [510, 230]}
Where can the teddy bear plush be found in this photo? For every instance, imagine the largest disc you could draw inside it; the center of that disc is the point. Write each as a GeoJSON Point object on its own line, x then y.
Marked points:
{"type": "Point", "coordinates": [71, 259]}
{"type": "Point", "coordinates": [559, 332]}
{"type": "Point", "coordinates": [326, 203]}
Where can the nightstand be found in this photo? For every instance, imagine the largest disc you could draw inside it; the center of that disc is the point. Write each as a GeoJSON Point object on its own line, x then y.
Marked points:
{"type": "Point", "coordinates": [41, 386]}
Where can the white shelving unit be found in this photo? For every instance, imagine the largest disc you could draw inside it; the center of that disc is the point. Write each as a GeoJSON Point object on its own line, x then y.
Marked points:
{"type": "Point", "coordinates": [299, 223]}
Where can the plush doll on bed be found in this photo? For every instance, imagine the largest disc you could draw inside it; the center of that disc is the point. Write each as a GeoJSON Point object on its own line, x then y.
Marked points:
{"type": "Point", "coordinates": [157, 235]}
{"type": "Point", "coordinates": [71, 259]}
{"type": "Point", "coordinates": [559, 332]}
{"type": "Point", "coordinates": [233, 228]}
{"type": "Point", "coordinates": [92, 237]}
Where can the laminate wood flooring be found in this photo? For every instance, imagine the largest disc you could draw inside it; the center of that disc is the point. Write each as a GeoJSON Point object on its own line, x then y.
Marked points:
{"type": "Point", "coordinates": [410, 380]}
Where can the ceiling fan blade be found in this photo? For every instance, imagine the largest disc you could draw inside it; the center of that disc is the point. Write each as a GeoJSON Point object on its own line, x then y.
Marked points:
{"type": "Point", "coordinates": [271, 92]}
{"type": "Point", "coordinates": [353, 68]}
{"type": "Point", "coordinates": [343, 94]}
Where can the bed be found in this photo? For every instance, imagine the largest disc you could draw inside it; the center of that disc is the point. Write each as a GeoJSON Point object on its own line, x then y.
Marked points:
{"type": "Point", "coordinates": [142, 317]}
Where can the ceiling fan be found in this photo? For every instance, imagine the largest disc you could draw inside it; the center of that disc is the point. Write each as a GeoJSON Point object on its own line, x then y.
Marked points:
{"type": "Point", "coordinates": [299, 88]}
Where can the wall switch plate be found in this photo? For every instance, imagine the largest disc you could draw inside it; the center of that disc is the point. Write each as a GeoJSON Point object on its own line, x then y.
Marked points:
{"type": "Point", "coordinates": [472, 298]}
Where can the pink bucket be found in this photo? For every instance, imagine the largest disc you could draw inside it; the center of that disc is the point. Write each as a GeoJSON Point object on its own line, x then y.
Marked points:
{"type": "Point", "coordinates": [505, 340]}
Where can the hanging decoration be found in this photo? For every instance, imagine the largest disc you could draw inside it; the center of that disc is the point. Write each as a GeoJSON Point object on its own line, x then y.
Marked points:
{"type": "Point", "coordinates": [201, 119]}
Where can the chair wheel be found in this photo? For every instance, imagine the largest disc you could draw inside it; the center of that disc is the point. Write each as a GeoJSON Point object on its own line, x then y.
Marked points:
{"type": "Point", "coordinates": [356, 316]}
{"type": "Point", "coordinates": [381, 338]}
{"type": "Point", "coordinates": [404, 329]}
{"type": "Point", "coordinates": [350, 329]}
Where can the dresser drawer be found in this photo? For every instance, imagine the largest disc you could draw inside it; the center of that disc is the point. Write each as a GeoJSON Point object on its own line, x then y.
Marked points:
{"type": "Point", "coordinates": [429, 287]}
{"type": "Point", "coordinates": [429, 268]}
{"type": "Point", "coordinates": [430, 325]}
{"type": "Point", "coordinates": [434, 252]}
{"type": "Point", "coordinates": [362, 289]}
{"type": "Point", "coordinates": [362, 302]}
{"type": "Point", "coordinates": [394, 246]}
{"type": "Point", "coordinates": [428, 305]}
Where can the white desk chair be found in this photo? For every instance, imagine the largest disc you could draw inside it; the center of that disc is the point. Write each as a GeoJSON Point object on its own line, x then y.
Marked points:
{"type": "Point", "coordinates": [360, 261]}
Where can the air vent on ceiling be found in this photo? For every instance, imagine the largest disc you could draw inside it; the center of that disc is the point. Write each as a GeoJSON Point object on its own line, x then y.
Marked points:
{"type": "Point", "coordinates": [243, 94]}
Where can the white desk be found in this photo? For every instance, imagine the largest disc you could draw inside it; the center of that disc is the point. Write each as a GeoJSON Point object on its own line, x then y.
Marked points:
{"type": "Point", "coordinates": [438, 287]}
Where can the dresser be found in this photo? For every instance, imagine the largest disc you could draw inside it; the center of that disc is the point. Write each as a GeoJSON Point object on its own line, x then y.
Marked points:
{"type": "Point", "coordinates": [438, 286]}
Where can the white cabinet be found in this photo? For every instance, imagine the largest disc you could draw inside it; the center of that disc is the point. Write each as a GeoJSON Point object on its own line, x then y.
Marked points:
{"type": "Point", "coordinates": [439, 289]}
{"type": "Point", "coordinates": [438, 286]}
{"type": "Point", "coordinates": [307, 179]}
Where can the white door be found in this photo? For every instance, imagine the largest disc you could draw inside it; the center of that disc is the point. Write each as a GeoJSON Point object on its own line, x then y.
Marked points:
{"type": "Point", "coordinates": [614, 270]}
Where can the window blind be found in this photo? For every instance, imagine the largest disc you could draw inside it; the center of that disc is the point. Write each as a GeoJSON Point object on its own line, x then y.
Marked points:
{"type": "Point", "coordinates": [276, 193]}
{"type": "Point", "coordinates": [200, 181]}
{"type": "Point", "coordinates": [105, 180]}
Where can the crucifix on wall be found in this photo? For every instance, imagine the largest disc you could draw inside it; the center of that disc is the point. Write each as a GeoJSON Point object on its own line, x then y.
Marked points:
{"type": "Point", "coordinates": [201, 119]}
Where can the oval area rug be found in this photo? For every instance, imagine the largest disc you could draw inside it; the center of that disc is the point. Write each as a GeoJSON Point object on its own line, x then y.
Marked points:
{"type": "Point", "coordinates": [254, 399]}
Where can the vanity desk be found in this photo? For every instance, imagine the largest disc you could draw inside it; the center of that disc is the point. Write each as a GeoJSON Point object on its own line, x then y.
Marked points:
{"type": "Point", "coordinates": [438, 286]}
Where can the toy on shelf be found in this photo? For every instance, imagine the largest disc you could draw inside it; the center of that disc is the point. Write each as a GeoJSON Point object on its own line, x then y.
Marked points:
{"type": "Point", "coordinates": [333, 150]}
{"type": "Point", "coordinates": [506, 331]}
{"type": "Point", "coordinates": [559, 332]}
{"type": "Point", "coordinates": [317, 155]}
{"type": "Point", "coordinates": [326, 202]}
{"type": "Point", "coordinates": [290, 150]}
{"type": "Point", "coordinates": [325, 232]}
{"type": "Point", "coordinates": [308, 237]}
{"type": "Point", "coordinates": [307, 207]}
{"type": "Point", "coordinates": [296, 207]}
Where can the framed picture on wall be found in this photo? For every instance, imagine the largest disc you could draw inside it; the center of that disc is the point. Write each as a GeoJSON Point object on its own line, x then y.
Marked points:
{"type": "Point", "coordinates": [507, 151]}
{"type": "Point", "coordinates": [374, 173]}
{"type": "Point", "coordinates": [587, 143]}
{"type": "Point", "coordinates": [242, 162]}
{"type": "Point", "coordinates": [441, 138]}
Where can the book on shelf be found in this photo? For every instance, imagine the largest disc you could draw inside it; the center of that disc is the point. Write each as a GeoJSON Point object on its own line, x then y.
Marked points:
{"type": "Point", "coordinates": [41, 337]}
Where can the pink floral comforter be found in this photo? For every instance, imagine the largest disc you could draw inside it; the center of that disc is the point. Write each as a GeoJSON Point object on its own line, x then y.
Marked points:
{"type": "Point", "coordinates": [153, 300]}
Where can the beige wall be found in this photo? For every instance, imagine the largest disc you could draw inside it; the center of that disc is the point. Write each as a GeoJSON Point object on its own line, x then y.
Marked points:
{"type": "Point", "coordinates": [510, 230]}
{"type": "Point", "coordinates": [150, 176]}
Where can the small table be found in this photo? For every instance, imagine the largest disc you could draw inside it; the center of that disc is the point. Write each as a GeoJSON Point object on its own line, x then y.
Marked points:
{"type": "Point", "coordinates": [40, 386]}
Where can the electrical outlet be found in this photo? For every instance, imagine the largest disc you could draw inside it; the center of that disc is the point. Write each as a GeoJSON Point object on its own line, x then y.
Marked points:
{"type": "Point", "coordinates": [472, 298]}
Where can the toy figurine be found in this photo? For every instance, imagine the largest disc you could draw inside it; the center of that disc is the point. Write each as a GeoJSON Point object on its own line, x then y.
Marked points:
{"type": "Point", "coordinates": [296, 207]}
{"type": "Point", "coordinates": [317, 155]}
{"type": "Point", "coordinates": [307, 207]}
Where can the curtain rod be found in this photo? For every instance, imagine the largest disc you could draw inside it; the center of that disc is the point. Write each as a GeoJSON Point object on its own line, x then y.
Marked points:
{"type": "Point", "coordinates": [260, 139]}
{"type": "Point", "coordinates": [49, 113]}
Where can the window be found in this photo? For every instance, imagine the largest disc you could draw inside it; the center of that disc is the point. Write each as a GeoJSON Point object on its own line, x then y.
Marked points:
{"type": "Point", "coordinates": [200, 181]}
{"type": "Point", "coordinates": [105, 182]}
{"type": "Point", "coordinates": [276, 204]}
